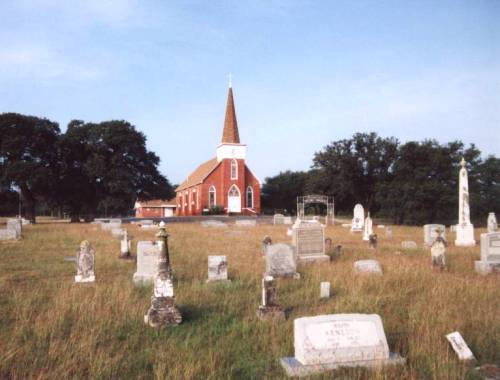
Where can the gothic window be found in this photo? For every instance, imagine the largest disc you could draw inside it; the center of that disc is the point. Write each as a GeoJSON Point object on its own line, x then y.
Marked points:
{"type": "Point", "coordinates": [234, 169]}
{"type": "Point", "coordinates": [234, 192]}
{"type": "Point", "coordinates": [249, 197]}
{"type": "Point", "coordinates": [211, 196]}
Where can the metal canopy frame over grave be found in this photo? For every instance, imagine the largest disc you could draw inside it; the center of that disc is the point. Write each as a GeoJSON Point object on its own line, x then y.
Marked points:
{"type": "Point", "coordinates": [315, 198]}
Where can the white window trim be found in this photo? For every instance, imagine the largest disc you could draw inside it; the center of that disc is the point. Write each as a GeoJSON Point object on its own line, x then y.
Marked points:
{"type": "Point", "coordinates": [246, 197]}
{"type": "Point", "coordinates": [236, 187]}
{"type": "Point", "coordinates": [215, 196]}
{"type": "Point", "coordinates": [235, 163]}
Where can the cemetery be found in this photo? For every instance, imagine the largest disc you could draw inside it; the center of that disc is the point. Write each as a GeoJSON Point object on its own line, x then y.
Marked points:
{"type": "Point", "coordinates": [247, 315]}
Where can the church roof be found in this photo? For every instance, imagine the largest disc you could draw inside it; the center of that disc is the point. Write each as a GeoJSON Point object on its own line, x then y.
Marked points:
{"type": "Point", "coordinates": [156, 203]}
{"type": "Point", "coordinates": [230, 134]}
{"type": "Point", "coordinates": [199, 174]}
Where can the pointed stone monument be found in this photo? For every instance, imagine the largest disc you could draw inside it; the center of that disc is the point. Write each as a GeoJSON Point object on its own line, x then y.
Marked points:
{"type": "Point", "coordinates": [465, 229]}
{"type": "Point", "coordinates": [85, 263]}
{"type": "Point", "coordinates": [368, 228]}
{"type": "Point", "coordinates": [163, 311]}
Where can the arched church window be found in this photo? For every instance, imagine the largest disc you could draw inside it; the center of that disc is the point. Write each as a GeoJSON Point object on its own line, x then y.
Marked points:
{"type": "Point", "coordinates": [211, 196]}
{"type": "Point", "coordinates": [234, 169]}
{"type": "Point", "coordinates": [249, 197]}
{"type": "Point", "coordinates": [233, 191]}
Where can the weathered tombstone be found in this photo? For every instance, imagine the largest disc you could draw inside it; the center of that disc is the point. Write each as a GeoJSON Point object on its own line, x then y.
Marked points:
{"type": "Point", "coordinates": [270, 309]}
{"type": "Point", "coordinates": [373, 241]}
{"type": "Point", "coordinates": [265, 243]}
{"type": "Point", "coordinates": [287, 220]}
{"type": "Point", "coordinates": [358, 221]}
{"type": "Point", "coordinates": [327, 342]}
{"type": "Point", "coordinates": [279, 219]}
{"type": "Point", "coordinates": [309, 241]}
{"type": "Point", "coordinates": [367, 228]}
{"type": "Point", "coordinates": [464, 229]}
{"type": "Point", "coordinates": [85, 263]}
{"type": "Point", "coordinates": [6, 234]}
{"type": "Point", "coordinates": [163, 311]}
{"type": "Point", "coordinates": [409, 244]}
{"type": "Point", "coordinates": [388, 233]}
{"type": "Point", "coordinates": [490, 254]}
{"type": "Point", "coordinates": [431, 233]}
{"type": "Point", "coordinates": [367, 266]}
{"type": "Point", "coordinates": [246, 223]}
{"type": "Point", "coordinates": [438, 250]}
{"type": "Point", "coordinates": [492, 222]}
{"type": "Point", "coordinates": [217, 269]}
{"type": "Point", "coordinates": [324, 290]}
{"type": "Point", "coordinates": [459, 346]}
{"type": "Point", "coordinates": [147, 261]}
{"type": "Point", "coordinates": [16, 225]}
{"type": "Point", "coordinates": [125, 246]}
{"type": "Point", "coordinates": [281, 261]}
{"type": "Point", "coordinates": [328, 244]}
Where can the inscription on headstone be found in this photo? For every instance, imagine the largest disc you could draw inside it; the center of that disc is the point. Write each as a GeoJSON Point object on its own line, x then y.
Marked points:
{"type": "Point", "coordinates": [281, 261]}
{"type": "Point", "coordinates": [459, 346]}
{"type": "Point", "coordinates": [147, 261]}
{"type": "Point", "coordinates": [217, 268]}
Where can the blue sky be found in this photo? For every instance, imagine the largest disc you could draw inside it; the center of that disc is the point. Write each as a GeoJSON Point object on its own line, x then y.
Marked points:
{"type": "Point", "coordinates": [305, 73]}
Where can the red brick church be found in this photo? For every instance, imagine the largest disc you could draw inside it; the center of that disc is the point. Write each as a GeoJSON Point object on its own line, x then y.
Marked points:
{"type": "Point", "coordinates": [225, 180]}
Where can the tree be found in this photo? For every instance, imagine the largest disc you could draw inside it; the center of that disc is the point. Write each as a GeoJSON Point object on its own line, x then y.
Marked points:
{"type": "Point", "coordinates": [281, 191]}
{"type": "Point", "coordinates": [28, 156]}
{"type": "Point", "coordinates": [106, 167]}
{"type": "Point", "coordinates": [488, 180]}
{"type": "Point", "coordinates": [352, 170]}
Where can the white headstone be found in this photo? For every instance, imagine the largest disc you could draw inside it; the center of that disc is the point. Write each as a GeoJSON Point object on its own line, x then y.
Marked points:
{"type": "Point", "coordinates": [431, 233]}
{"type": "Point", "coordinates": [148, 253]}
{"type": "Point", "coordinates": [287, 220]}
{"type": "Point", "coordinates": [368, 228]}
{"type": "Point", "coordinates": [217, 268]}
{"type": "Point", "coordinates": [459, 346]}
{"type": "Point", "coordinates": [308, 237]}
{"type": "Point", "coordinates": [85, 258]}
{"type": "Point", "coordinates": [358, 221]}
{"type": "Point", "coordinates": [279, 219]}
{"type": "Point", "coordinates": [367, 266]}
{"type": "Point", "coordinates": [490, 254]}
{"type": "Point", "coordinates": [281, 261]}
{"type": "Point", "coordinates": [16, 225]}
{"type": "Point", "coordinates": [329, 341]}
{"type": "Point", "coordinates": [492, 222]}
{"type": "Point", "coordinates": [7, 234]}
{"type": "Point", "coordinates": [464, 229]}
{"type": "Point", "coordinates": [324, 290]}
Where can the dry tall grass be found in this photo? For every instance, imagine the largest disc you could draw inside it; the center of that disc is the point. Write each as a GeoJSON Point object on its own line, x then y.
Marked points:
{"type": "Point", "coordinates": [52, 328]}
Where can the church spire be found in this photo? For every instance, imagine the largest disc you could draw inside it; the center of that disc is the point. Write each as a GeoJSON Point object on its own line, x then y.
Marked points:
{"type": "Point", "coordinates": [230, 134]}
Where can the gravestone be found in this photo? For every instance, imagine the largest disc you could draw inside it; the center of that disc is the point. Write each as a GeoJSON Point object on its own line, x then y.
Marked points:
{"type": "Point", "coordinates": [431, 232]}
{"type": "Point", "coordinates": [373, 241]}
{"type": "Point", "coordinates": [117, 232]}
{"type": "Point", "coordinates": [367, 266]}
{"type": "Point", "coordinates": [327, 342]}
{"type": "Point", "coordinates": [438, 250]}
{"type": "Point", "coordinates": [281, 261]}
{"type": "Point", "coordinates": [111, 225]}
{"type": "Point", "coordinates": [358, 221]}
{"type": "Point", "coordinates": [146, 222]}
{"type": "Point", "coordinates": [151, 226]}
{"type": "Point", "coordinates": [490, 254]}
{"type": "Point", "coordinates": [492, 222]}
{"type": "Point", "coordinates": [367, 228]}
{"type": "Point", "coordinates": [213, 223]}
{"type": "Point", "coordinates": [16, 225]}
{"type": "Point", "coordinates": [324, 290]}
{"type": "Point", "coordinates": [125, 246]}
{"type": "Point", "coordinates": [287, 220]}
{"type": "Point", "coordinates": [409, 244]}
{"type": "Point", "coordinates": [388, 233]}
{"type": "Point", "coordinates": [279, 219]}
{"type": "Point", "coordinates": [6, 234]}
{"type": "Point", "coordinates": [85, 258]}
{"type": "Point", "coordinates": [459, 346]}
{"type": "Point", "coordinates": [464, 228]}
{"type": "Point", "coordinates": [309, 241]}
{"type": "Point", "coordinates": [265, 243]}
{"type": "Point", "coordinates": [246, 223]}
{"type": "Point", "coordinates": [147, 261]}
{"type": "Point", "coordinates": [217, 268]}
{"type": "Point", "coordinates": [328, 244]}
{"type": "Point", "coordinates": [270, 309]}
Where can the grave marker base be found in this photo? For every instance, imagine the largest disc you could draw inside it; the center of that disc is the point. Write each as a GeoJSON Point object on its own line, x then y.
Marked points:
{"type": "Point", "coordinates": [270, 313]}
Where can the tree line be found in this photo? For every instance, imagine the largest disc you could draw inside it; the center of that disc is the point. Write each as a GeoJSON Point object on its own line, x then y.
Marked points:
{"type": "Point", "coordinates": [91, 169]}
{"type": "Point", "coordinates": [411, 183]}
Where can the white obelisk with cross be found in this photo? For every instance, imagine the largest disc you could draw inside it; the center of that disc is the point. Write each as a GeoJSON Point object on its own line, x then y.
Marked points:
{"type": "Point", "coordinates": [465, 229]}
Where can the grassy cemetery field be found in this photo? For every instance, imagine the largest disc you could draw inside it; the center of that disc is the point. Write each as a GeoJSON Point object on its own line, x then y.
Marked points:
{"type": "Point", "coordinates": [53, 328]}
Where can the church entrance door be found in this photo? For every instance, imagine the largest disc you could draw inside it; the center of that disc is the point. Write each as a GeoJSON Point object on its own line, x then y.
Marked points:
{"type": "Point", "coordinates": [234, 199]}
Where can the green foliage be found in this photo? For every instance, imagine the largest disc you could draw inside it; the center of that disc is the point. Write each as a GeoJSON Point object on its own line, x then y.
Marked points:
{"type": "Point", "coordinates": [216, 210]}
{"type": "Point", "coordinates": [280, 192]}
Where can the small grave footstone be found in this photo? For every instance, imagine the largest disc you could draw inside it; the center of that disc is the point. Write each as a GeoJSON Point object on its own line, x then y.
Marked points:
{"type": "Point", "coordinates": [459, 346]}
{"type": "Point", "coordinates": [217, 269]}
{"type": "Point", "coordinates": [148, 253]}
{"type": "Point", "coordinates": [281, 261]}
{"type": "Point", "coordinates": [358, 221]}
{"type": "Point", "coordinates": [490, 254]}
{"type": "Point", "coordinates": [409, 244]}
{"type": "Point", "coordinates": [367, 266]}
{"type": "Point", "coordinates": [324, 291]}
{"type": "Point", "coordinates": [432, 231]}
{"type": "Point", "coordinates": [270, 309]}
{"type": "Point", "coordinates": [85, 257]}
{"type": "Point", "coordinates": [327, 342]}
